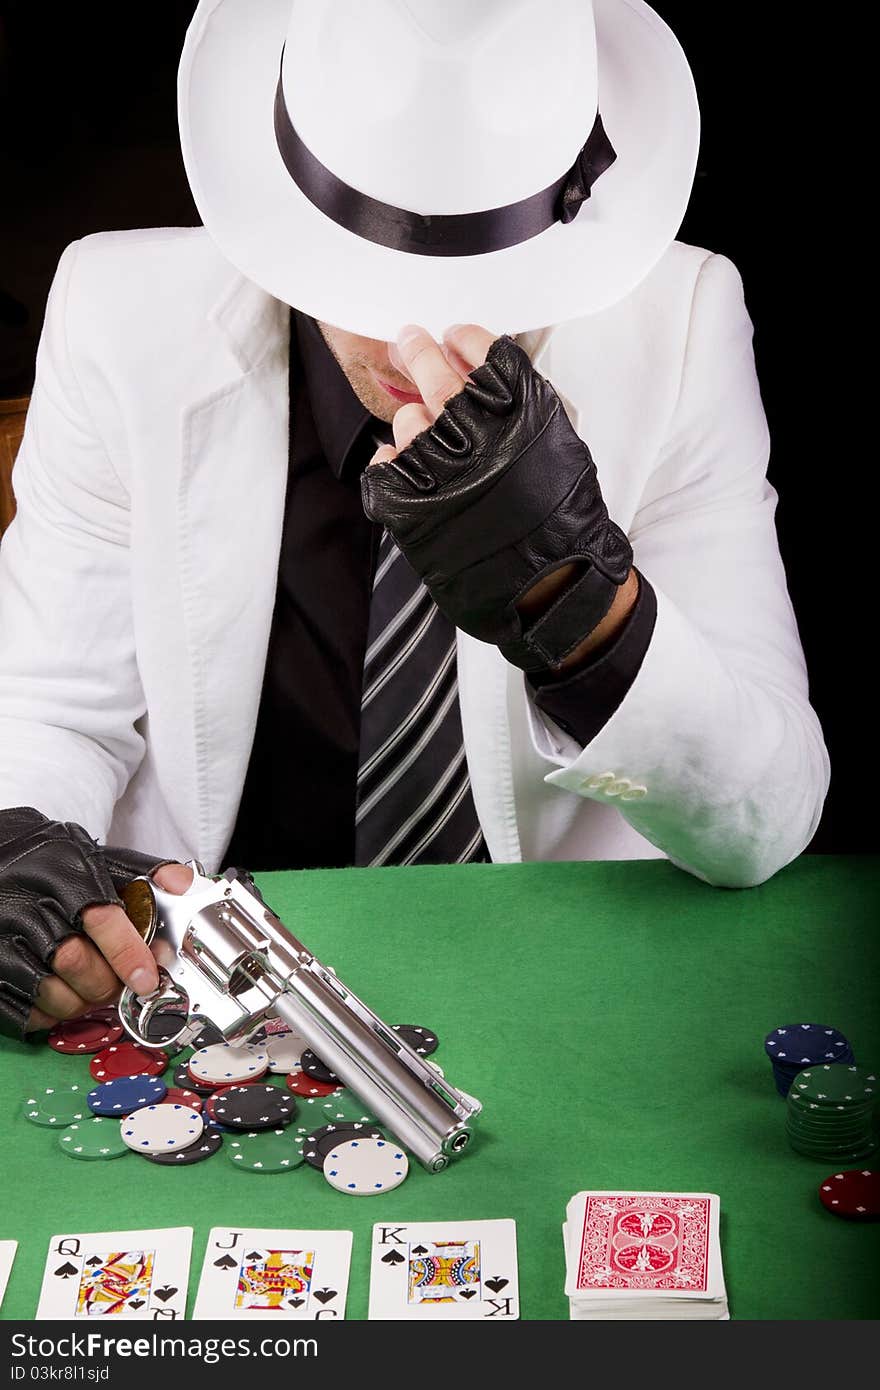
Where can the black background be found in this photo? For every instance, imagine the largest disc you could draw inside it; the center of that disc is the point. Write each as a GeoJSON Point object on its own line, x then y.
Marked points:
{"type": "Point", "coordinates": [88, 142]}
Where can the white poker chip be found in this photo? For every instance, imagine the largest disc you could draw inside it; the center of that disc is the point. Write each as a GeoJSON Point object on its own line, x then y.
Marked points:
{"type": "Point", "coordinates": [161, 1129]}
{"type": "Point", "coordinates": [363, 1167]}
{"type": "Point", "coordinates": [285, 1052]}
{"type": "Point", "coordinates": [229, 1063]}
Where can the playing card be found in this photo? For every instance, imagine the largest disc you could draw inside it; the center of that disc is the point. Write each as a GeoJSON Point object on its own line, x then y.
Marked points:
{"type": "Point", "coordinates": [660, 1245]}
{"type": "Point", "coordinates": [256, 1274]}
{"type": "Point", "coordinates": [444, 1271]}
{"type": "Point", "coordinates": [121, 1274]}
{"type": "Point", "coordinates": [7, 1255]}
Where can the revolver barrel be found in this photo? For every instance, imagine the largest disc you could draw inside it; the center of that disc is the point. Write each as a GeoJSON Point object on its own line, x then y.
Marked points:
{"type": "Point", "coordinates": [223, 954]}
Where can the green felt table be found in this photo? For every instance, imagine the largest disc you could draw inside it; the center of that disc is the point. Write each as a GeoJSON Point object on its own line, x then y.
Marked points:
{"type": "Point", "coordinates": [611, 1018]}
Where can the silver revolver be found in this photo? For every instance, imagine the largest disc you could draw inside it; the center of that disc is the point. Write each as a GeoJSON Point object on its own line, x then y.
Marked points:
{"type": "Point", "coordinates": [223, 955]}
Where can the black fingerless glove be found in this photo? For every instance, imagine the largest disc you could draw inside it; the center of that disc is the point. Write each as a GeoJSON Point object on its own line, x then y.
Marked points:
{"type": "Point", "coordinates": [50, 872]}
{"type": "Point", "coordinates": [499, 492]}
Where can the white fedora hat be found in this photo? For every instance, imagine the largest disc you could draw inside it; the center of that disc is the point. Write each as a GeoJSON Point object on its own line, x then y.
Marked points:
{"type": "Point", "coordinates": [512, 163]}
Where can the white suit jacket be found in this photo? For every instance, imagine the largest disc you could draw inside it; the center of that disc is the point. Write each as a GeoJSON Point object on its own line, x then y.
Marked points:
{"type": "Point", "coordinates": [137, 581]}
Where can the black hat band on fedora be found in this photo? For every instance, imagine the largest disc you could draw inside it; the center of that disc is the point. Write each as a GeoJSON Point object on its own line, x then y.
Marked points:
{"type": "Point", "coordinates": [445, 234]}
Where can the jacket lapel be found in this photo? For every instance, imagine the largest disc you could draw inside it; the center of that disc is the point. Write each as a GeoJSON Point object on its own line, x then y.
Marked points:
{"type": "Point", "coordinates": [230, 511]}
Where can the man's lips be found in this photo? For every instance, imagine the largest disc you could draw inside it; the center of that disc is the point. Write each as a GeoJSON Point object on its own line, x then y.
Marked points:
{"type": "Point", "coordinates": [407, 397]}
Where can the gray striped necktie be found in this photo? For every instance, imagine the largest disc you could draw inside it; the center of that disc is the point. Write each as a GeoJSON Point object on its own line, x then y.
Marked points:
{"type": "Point", "coordinates": [414, 802]}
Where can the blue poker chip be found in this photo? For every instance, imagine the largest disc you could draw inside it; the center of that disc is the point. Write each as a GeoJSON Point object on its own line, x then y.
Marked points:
{"type": "Point", "coordinates": [799, 1045]}
{"type": "Point", "coordinates": [804, 1044]}
{"type": "Point", "coordinates": [125, 1094]}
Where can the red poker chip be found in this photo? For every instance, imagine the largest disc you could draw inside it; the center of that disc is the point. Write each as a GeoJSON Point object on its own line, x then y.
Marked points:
{"type": "Point", "coordinates": [108, 1012]}
{"type": "Point", "coordinates": [223, 1086]}
{"type": "Point", "coordinates": [176, 1095]}
{"type": "Point", "coordinates": [302, 1085]}
{"type": "Point", "coordinates": [854, 1194]}
{"type": "Point", "coordinates": [128, 1059]}
{"type": "Point", "coordinates": [75, 1036]}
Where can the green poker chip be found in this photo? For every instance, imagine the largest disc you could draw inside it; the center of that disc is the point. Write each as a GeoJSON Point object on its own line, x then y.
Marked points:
{"type": "Point", "coordinates": [57, 1106]}
{"type": "Point", "coordinates": [344, 1106]}
{"type": "Point", "coordinates": [265, 1151]}
{"type": "Point", "coordinates": [837, 1083]}
{"type": "Point", "coordinates": [93, 1139]}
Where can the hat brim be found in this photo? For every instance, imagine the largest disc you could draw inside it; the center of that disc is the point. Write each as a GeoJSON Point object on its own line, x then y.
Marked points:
{"type": "Point", "coordinates": [270, 231]}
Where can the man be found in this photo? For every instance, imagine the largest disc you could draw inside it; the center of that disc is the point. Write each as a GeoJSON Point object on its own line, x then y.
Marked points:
{"type": "Point", "coordinates": [242, 622]}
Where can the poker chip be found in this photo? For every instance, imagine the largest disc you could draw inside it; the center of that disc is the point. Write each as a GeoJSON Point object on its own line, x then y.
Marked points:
{"type": "Point", "coordinates": [210, 1101]}
{"type": "Point", "coordinates": [93, 1139]}
{"type": "Point", "coordinates": [344, 1106]}
{"type": "Point", "coordinates": [108, 1013]}
{"type": "Point", "coordinates": [185, 1082]}
{"type": "Point", "coordinates": [253, 1107]}
{"type": "Point", "coordinates": [836, 1084]}
{"type": "Point", "coordinates": [126, 1094]}
{"type": "Point", "coordinates": [799, 1045]}
{"type": "Point", "coordinates": [127, 1059]}
{"type": "Point", "coordinates": [302, 1085]}
{"type": "Point", "coordinates": [854, 1195]}
{"type": "Point", "coordinates": [179, 1095]}
{"type": "Point", "coordinates": [265, 1151]}
{"type": "Point", "coordinates": [56, 1107]}
{"type": "Point", "coordinates": [164, 1027]}
{"type": "Point", "coordinates": [321, 1141]}
{"type": "Point", "coordinates": [77, 1036]}
{"type": "Point", "coordinates": [421, 1040]}
{"type": "Point", "coordinates": [285, 1052]}
{"type": "Point", "coordinates": [208, 1034]}
{"type": "Point", "coordinates": [208, 1143]}
{"type": "Point", "coordinates": [161, 1128]}
{"type": "Point", "coordinates": [228, 1064]}
{"type": "Point", "coordinates": [317, 1070]}
{"type": "Point", "coordinates": [364, 1167]}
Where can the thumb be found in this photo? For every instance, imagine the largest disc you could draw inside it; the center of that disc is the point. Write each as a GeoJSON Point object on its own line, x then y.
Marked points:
{"type": "Point", "coordinates": [174, 878]}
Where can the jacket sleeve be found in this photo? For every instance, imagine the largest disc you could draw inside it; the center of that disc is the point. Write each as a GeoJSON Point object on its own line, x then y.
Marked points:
{"type": "Point", "coordinates": [70, 694]}
{"type": "Point", "coordinates": [714, 755]}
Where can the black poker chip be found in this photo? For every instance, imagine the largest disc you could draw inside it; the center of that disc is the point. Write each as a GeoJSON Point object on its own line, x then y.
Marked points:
{"type": "Point", "coordinates": [254, 1107]}
{"type": "Point", "coordinates": [318, 1145]}
{"type": "Point", "coordinates": [162, 1027]}
{"type": "Point", "coordinates": [209, 1142]}
{"type": "Point", "coordinates": [184, 1078]}
{"type": "Point", "coordinates": [317, 1070]}
{"type": "Point", "coordinates": [422, 1040]}
{"type": "Point", "coordinates": [208, 1035]}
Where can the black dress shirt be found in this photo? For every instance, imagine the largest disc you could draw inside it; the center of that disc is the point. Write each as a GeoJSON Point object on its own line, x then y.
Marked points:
{"type": "Point", "coordinates": [298, 804]}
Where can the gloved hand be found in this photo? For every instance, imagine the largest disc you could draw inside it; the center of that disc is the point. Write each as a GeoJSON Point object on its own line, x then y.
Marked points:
{"type": "Point", "coordinates": [497, 493]}
{"type": "Point", "coordinates": [51, 874]}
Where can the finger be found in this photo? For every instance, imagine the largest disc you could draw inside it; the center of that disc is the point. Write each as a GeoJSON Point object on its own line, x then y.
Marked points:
{"type": "Point", "coordinates": [37, 1021]}
{"type": "Point", "coordinates": [122, 948]}
{"type": "Point", "coordinates": [174, 878]}
{"type": "Point", "coordinates": [83, 968]}
{"type": "Point", "coordinates": [470, 343]}
{"type": "Point", "coordinates": [429, 369]}
{"type": "Point", "coordinates": [57, 999]}
{"type": "Point", "coordinates": [384, 454]}
{"type": "Point", "coordinates": [409, 421]}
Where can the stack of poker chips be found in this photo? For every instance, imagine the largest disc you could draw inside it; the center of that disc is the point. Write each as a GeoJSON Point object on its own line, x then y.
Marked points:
{"type": "Point", "coordinates": [799, 1045]}
{"type": "Point", "coordinates": [832, 1113]}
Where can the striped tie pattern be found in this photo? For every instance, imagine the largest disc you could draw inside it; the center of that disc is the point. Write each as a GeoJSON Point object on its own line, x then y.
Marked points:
{"type": "Point", "coordinates": [414, 802]}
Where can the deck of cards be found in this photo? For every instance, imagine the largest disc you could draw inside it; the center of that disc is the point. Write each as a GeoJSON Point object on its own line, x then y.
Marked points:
{"type": "Point", "coordinates": [644, 1255]}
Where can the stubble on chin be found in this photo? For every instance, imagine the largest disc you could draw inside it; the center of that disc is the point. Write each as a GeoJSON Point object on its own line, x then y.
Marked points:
{"type": "Point", "coordinates": [362, 382]}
